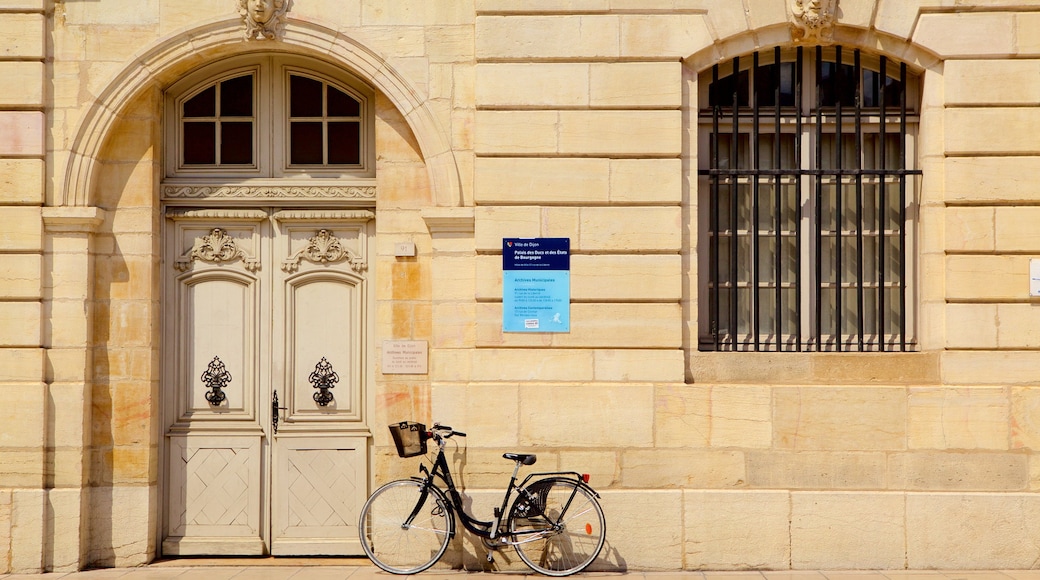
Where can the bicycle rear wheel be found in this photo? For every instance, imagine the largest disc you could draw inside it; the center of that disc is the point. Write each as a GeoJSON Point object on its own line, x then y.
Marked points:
{"type": "Point", "coordinates": [404, 529]}
{"type": "Point", "coordinates": [558, 526]}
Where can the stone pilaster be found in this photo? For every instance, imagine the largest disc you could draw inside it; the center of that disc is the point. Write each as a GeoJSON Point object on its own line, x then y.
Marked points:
{"type": "Point", "coordinates": [67, 305]}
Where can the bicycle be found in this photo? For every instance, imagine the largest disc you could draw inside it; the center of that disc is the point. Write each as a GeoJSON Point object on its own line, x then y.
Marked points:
{"type": "Point", "coordinates": [555, 523]}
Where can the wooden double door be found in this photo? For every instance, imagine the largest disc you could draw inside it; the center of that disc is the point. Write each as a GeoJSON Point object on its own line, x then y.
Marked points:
{"type": "Point", "coordinates": [265, 380]}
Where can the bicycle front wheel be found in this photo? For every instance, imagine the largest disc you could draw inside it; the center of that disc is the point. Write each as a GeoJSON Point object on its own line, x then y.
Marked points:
{"type": "Point", "coordinates": [558, 526]}
{"type": "Point", "coordinates": [406, 527]}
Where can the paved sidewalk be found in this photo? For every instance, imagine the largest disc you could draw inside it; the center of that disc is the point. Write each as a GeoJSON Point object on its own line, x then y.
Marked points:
{"type": "Point", "coordinates": [359, 569]}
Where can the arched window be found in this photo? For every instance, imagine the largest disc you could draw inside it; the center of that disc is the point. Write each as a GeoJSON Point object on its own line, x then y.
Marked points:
{"type": "Point", "coordinates": [807, 202]}
{"type": "Point", "coordinates": [269, 117]}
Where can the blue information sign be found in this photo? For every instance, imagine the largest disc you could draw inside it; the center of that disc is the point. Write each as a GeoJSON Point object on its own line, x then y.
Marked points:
{"type": "Point", "coordinates": [536, 284]}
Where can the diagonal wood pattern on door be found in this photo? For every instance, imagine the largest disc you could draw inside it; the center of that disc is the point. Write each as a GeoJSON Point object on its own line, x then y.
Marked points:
{"type": "Point", "coordinates": [312, 473]}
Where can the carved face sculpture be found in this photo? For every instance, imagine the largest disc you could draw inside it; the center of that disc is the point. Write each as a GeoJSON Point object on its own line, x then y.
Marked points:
{"type": "Point", "coordinates": [812, 12]}
{"type": "Point", "coordinates": [260, 11]}
{"type": "Point", "coordinates": [263, 18]}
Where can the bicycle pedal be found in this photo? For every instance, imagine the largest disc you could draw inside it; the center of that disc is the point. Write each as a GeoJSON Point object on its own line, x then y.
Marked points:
{"type": "Point", "coordinates": [490, 558]}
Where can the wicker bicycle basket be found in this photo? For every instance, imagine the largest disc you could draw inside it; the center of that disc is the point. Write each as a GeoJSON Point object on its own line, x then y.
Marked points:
{"type": "Point", "coordinates": [409, 437]}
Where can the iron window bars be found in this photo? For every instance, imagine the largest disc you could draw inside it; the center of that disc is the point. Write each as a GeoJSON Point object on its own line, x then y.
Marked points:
{"type": "Point", "coordinates": [848, 202]}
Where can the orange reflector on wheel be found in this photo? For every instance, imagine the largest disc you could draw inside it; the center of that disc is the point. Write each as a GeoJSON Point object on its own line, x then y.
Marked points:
{"type": "Point", "coordinates": [585, 477]}
{"type": "Point", "coordinates": [588, 529]}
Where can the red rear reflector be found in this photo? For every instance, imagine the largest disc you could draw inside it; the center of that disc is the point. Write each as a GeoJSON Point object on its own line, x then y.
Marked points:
{"type": "Point", "coordinates": [588, 529]}
{"type": "Point", "coordinates": [585, 477]}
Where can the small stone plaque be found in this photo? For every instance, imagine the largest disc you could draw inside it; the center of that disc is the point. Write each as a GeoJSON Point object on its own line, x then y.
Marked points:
{"type": "Point", "coordinates": [405, 357]}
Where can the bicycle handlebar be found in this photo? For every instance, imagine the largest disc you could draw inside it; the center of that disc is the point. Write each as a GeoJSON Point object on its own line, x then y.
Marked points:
{"type": "Point", "coordinates": [444, 431]}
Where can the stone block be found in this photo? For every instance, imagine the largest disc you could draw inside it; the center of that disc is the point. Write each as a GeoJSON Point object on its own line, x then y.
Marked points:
{"type": "Point", "coordinates": [1026, 23]}
{"type": "Point", "coordinates": [741, 416]}
{"type": "Point", "coordinates": [990, 131]}
{"type": "Point", "coordinates": [602, 278]}
{"type": "Point", "coordinates": [857, 531]}
{"type": "Point", "coordinates": [70, 324]}
{"type": "Point", "coordinates": [816, 470]}
{"type": "Point", "coordinates": [971, 531]}
{"type": "Point", "coordinates": [763, 13]}
{"type": "Point", "coordinates": [626, 278]}
{"type": "Point", "coordinates": [537, 37]}
{"type": "Point", "coordinates": [947, 471]}
{"type": "Point", "coordinates": [992, 82]}
{"type": "Point", "coordinates": [24, 36]}
{"type": "Point", "coordinates": [450, 43]}
{"type": "Point", "coordinates": [23, 84]}
{"type": "Point", "coordinates": [1016, 229]}
{"type": "Point", "coordinates": [620, 133]}
{"type": "Point", "coordinates": [491, 224]}
{"type": "Point", "coordinates": [560, 415]}
{"type": "Point", "coordinates": [682, 468]}
{"type": "Point", "coordinates": [23, 228]}
{"type": "Point", "coordinates": [990, 368]}
{"type": "Point", "coordinates": [21, 324]}
{"type": "Point", "coordinates": [517, 364]}
{"type": "Point", "coordinates": [21, 181]}
{"type": "Point", "coordinates": [989, 180]}
{"type": "Point", "coordinates": [28, 514]}
{"type": "Point", "coordinates": [970, 35]}
{"type": "Point", "coordinates": [1025, 418]}
{"type": "Point", "coordinates": [515, 132]}
{"type": "Point", "coordinates": [898, 17]}
{"type": "Point", "coordinates": [635, 84]}
{"type": "Point", "coordinates": [23, 132]}
{"type": "Point", "coordinates": [20, 276]}
{"type": "Point", "coordinates": [466, 406]}
{"type": "Point", "coordinates": [839, 418]}
{"type": "Point", "coordinates": [603, 467]}
{"type": "Point", "coordinates": [454, 325]}
{"type": "Point", "coordinates": [971, 325]}
{"type": "Point", "coordinates": [544, 6]}
{"type": "Point", "coordinates": [22, 5]}
{"type": "Point", "coordinates": [22, 365]}
{"type": "Point", "coordinates": [737, 530]}
{"type": "Point", "coordinates": [543, 181]}
{"type": "Point", "coordinates": [630, 229]}
{"type": "Point", "coordinates": [543, 85]}
{"type": "Point", "coordinates": [23, 468]}
{"type": "Point", "coordinates": [1017, 325]}
{"type": "Point", "coordinates": [125, 516]}
{"type": "Point", "coordinates": [593, 325]}
{"type": "Point", "coordinates": [646, 181]}
{"type": "Point", "coordinates": [682, 416]}
{"type": "Point", "coordinates": [65, 509]}
{"type": "Point", "coordinates": [70, 415]}
{"type": "Point", "coordinates": [951, 418]}
{"type": "Point", "coordinates": [989, 278]}
{"type": "Point", "coordinates": [614, 365]}
{"type": "Point", "coordinates": [663, 35]}
{"type": "Point", "coordinates": [970, 229]}
{"type": "Point", "coordinates": [638, 542]}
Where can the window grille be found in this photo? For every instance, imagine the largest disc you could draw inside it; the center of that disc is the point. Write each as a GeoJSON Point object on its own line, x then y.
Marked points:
{"type": "Point", "coordinates": [809, 177]}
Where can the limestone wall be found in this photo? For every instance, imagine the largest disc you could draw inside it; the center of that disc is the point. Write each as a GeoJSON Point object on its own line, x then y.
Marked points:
{"type": "Point", "coordinates": [527, 118]}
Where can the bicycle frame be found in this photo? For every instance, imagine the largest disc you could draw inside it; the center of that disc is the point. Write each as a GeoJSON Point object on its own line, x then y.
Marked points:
{"type": "Point", "coordinates": [490, 530]}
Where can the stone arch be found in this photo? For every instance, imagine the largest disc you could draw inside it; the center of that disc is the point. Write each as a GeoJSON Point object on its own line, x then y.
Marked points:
{"type": "Point", "coordinates": [915, 56]}
{"type": "Point", "coordinates": [174, 55]}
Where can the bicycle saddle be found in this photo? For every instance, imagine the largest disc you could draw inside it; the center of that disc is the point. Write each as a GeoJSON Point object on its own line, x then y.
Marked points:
{"type": "Point", "coordinates": [525, 458]}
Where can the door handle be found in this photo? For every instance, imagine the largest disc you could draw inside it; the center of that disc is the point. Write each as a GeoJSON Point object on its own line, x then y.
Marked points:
{"type": "Point", "coordinates": [275, 411]}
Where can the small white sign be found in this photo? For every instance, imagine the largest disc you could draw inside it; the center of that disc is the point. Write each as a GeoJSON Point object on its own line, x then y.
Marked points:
{"type": "Point", "coordinates": [1034, 277]}
{"type": "Point", "coordinates": [405, 357]}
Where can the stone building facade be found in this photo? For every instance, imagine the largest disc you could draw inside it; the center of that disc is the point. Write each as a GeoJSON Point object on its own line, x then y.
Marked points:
{"type": "Point", "coordinates": [158, 228]}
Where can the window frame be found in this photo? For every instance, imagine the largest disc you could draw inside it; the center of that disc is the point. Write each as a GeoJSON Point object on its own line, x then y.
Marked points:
{"type": "Point", "coordinates": [271, 148]}
{"type": "Point", "coordinates": [809, 124]}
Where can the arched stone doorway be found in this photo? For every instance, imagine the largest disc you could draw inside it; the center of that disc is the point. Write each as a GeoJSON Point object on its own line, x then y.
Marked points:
{"type": "Point", "coordinates": [115, 172]}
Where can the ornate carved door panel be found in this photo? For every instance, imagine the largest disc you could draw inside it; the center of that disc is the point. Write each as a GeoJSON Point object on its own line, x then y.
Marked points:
{"type": "Point", "coordinates": [265, 368]}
